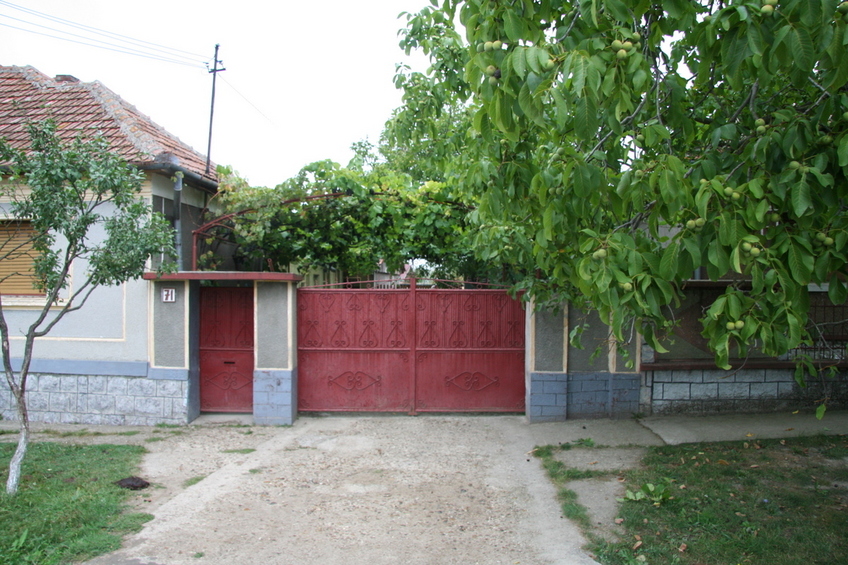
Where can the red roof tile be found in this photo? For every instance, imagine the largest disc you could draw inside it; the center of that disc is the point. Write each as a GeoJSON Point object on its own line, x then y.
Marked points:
{"type": "Point", "coordinates": [88, 108]}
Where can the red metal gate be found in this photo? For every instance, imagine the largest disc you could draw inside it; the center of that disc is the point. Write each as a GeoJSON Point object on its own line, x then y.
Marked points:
{"type": "Point", "coordinates": [226, 349]}
{"type": "Point", "coordinates": [410, 350]}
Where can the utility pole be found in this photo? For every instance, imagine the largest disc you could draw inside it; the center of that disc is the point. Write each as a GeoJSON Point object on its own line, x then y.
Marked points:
{"type": "Point", "coordinates": [214, 70]}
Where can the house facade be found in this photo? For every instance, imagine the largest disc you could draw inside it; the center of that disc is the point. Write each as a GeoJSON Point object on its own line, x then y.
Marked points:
{"type": "Point", "coordinates": [96, 366]}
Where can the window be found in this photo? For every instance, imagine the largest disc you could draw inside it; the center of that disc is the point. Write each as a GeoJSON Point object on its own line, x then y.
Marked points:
{"type": "Point", "coordinates": [16, 258]}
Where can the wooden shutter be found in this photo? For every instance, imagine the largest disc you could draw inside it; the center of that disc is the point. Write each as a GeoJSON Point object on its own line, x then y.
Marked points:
{"type": "Point", "coordinates": [16, 258]}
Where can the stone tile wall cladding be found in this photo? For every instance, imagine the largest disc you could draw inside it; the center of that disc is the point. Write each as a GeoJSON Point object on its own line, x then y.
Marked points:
{"type": "Point", "coordinates": [748, 390]}
{"type": "Point", "coordinates": [560, 396]}
{"type": "Point", "coordinates": [106, 400]}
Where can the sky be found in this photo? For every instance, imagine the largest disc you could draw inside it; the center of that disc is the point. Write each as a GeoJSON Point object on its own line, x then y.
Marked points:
{"type": "Point", "coordinates": [303, 80]}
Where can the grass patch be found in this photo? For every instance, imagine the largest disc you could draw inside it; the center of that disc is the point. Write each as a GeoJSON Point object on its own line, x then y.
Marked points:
{"type": "Point", "coordinates": [242, 451]}
{"type": "Point", "coordinates": [67, 507]}
{"type": "Point", "coordinates": [8, 432]}
{"type": "Point", "coordinates": [166, 425]}
{"type": "Point", "coordinates": [193, 481]}
{"type": "Point", "coordinates": [72, 433]}
{"type": "Point", "coordinates": [129, 433]}
{"type": "Point", "coordinates": [155, 438]}
{"type": "Point", "coordinates": [254, 471]}
{"type": "Point", "coordinates": [782, 502]}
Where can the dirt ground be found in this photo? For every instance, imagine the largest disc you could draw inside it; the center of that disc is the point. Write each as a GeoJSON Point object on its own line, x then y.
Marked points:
{"type": "Point", "coordinates": [350, 490]}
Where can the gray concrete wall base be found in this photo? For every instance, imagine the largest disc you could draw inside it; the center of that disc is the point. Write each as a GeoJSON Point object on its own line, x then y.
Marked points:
{"type": "Point", "coordinates": [274, 397]}
{"type": "Point", "coordinates": [704, 391]}
{"type": "Point", "coordinates": [556, 396]}
{"type": "Point", "coordinates": [101, 399]}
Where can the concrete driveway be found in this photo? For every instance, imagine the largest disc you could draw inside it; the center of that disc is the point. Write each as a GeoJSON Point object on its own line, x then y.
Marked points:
{"type": "Point", "coordinates": [372, 490]}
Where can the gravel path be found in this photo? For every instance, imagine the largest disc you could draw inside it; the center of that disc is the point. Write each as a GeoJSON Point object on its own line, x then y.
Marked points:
{"type": "Point", "coordinates": [352, 490]}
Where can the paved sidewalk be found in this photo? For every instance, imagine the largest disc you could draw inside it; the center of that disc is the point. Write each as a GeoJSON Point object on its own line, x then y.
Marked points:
{"type": "Point", "coordinates": [674, 430]}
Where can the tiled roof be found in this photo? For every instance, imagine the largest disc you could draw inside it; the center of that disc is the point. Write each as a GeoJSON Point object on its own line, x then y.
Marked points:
{"type": "Point", "coordinates": [27, 95]}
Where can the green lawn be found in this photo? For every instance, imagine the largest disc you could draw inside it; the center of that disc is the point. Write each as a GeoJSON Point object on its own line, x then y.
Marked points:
{"type": "Point", "coordinates": [67, 507]}
{"type": "Point", "coordinates": [775, 502]}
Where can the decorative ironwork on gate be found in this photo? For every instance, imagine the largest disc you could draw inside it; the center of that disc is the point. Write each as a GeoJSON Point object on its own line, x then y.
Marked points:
{"type": "Point", "coordinates": [401, 347]}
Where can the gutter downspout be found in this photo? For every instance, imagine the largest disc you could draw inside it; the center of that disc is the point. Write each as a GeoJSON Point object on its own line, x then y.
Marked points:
{"type": "Point", "coordinates": [178, 222]}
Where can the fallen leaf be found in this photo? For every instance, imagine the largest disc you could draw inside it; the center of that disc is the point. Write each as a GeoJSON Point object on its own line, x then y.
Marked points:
{"type": "Point", "coordinates": [593, 463]}
{"type": "Point", "coordinates": [795, 412]}
{"type": "Point", "coordinates": [749, 434]}
{"type": "Point", "coordinates": [745, 445]}
{"type": "Point", "coordinates": [682, 547]}
{"type": "Point", "coordinates": [788, 429]}
{"type": "Point", "coordinates": [682, 487]}
{"type": "Point", "coordinates": [637, 545]}
{"type": "Point", "coordinates": [722, 462]}
{"type": "Point", "coordinates": [638, 537]}
{"type": "Point", "coordinates": [740, 514]}
{"type": "Point", "coordinates": [783, 442]}
{"type": "Point", "coordinates": [619, 520]}
{"type": "Point", "coordinates": [755, 466]}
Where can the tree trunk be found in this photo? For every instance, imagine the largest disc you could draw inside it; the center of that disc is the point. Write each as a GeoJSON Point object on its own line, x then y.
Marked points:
{"type": "Point", "coordinates": [23, 443]}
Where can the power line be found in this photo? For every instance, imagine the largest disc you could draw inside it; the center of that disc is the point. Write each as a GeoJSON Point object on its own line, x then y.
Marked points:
{"type": "Point", "coordinates": [255, 107]}
{"type": "Point", "coordinates": [134, 46]}
{"type": "Point", "coordinates": [116, 50]}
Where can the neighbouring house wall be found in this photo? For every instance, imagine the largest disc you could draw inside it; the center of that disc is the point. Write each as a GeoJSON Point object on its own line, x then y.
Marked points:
{"type": "Point", "coordinates": [684, 378]}
{"type": "Point", "coordinates": [564, 381]}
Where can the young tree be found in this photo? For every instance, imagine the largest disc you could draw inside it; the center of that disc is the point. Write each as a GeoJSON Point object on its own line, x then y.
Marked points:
{"type": "Point", "coordinates": [82, 203]}
{"type": "Point", "coordinates": [619, 145]}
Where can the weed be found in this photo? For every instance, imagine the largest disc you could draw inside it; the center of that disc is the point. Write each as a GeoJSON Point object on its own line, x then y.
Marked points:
{"type": "Point", "coordinates": [193, 481]}
{"type": "Point", "coordinates": [656, 494]}
{"type": "Point", "coordinates": [255, 471]}
{"type": "Point", "coordinates": [242, 451]}
{"type": "Point", "coordinates": [129, 433]}
{"type": "Point", "coordinates": [72, 433]}
{"type": "Point", "coordinates": [155, 438]}
{"type": "Point", "coordinates": [199, 554]}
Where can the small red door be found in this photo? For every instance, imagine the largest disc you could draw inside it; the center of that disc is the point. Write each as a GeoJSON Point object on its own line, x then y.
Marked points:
{"type": "Point", "coordinates": [226, 349]}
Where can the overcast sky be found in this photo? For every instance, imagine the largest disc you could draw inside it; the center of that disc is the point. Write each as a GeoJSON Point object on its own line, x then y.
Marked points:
{"type": "Point", "coordinates": [304, 80]}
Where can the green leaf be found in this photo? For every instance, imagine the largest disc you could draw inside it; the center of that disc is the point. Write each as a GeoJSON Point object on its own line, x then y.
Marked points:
{"type": "Point", "coordinates": [843, 149]}
{"type": "Point", "coordinates": [836, 291]}
{"type": "Point", "coordinates": [801, 199]}
{"type": "Point", "coordinates": [513, 26]}
{"type": "Point", "coordinates": [519, 62]}
{"type": "Point", "coordinates": [801, 46]}
{"type": "Point", "coordinates": [668, 263]}
{"type": "Point", "coordinates": [800, 264]}
{"type": "Point", "coordinates": [585, 118]}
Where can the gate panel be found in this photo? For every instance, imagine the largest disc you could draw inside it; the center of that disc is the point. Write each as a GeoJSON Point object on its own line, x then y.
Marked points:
{"type": "Point", "coordinates": [410, 350]}
{"type": "Point", "coordinates": [226, 349]}
{"type": "Point", "coordinates": [470, 351]}
{"type": "Point", "coordinates": [354, 350]}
